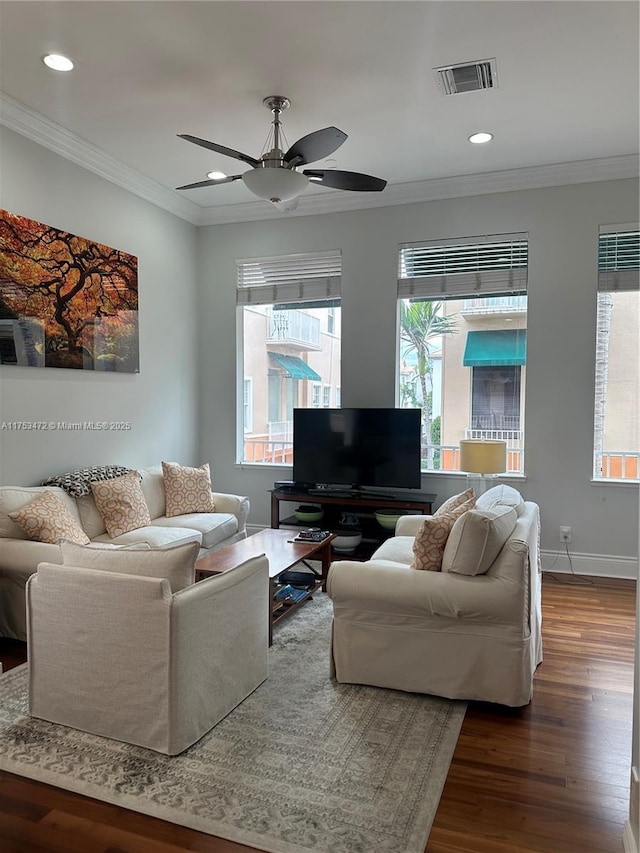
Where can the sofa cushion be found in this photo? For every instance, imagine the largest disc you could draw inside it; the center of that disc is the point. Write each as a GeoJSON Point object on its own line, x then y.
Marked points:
{"type": "Point", "coordinates": [152, 485]}
{"type": "Point", "coordinates": [90, 518]}
{"type": "Point", "coordinates": [16, 497]}
{"type": "Point", "coordinates": [121, 504]}
{"type": "Point", "coordinates": [477, 538]}
{"type": "Point", "coordinates": [176, 564]}
{"type": "Point", "coordinates": [47, 519]}
{"type": "Point", "coordinates": [455, 501]}
{"type": "Point", "coordinates": [431, 538]}
{"type": "Point", "coordinates": [214, 526]}
{"type": "Point", "coordinates": [187, 489]}
{"type": "Point", "coordinates": [155, 535]}
{"type": "Point", "coordinates": [501, 495]}
{"type": "Point", "coordinates": [396, 549]}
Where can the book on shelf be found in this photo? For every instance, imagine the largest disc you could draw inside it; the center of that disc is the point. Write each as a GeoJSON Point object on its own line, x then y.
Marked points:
{"type": "Point", "coordinates": [289, 594]}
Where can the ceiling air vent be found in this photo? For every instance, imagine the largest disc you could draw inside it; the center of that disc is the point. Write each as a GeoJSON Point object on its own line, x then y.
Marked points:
{"type": "Point", "coordinates": [467, 76]}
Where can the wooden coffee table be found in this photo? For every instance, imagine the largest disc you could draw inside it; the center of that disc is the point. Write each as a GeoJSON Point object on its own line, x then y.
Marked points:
{"type": "Point", "coordinates": [283, 554]}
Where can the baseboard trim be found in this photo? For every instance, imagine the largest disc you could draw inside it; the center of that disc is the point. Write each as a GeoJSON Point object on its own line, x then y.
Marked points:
{"type": "Point", "coordinates": [628, 839]}
{"type": "Point", "coordinates": [597, 565]}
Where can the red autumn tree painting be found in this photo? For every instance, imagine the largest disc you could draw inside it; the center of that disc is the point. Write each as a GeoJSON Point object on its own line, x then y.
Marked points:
{"type": "Point", "coordinates": [65, 301]}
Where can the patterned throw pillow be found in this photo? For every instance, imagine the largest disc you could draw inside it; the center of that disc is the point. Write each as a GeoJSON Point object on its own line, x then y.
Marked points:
{"type": "Point", "coordinates": [187, 489]}
{"type": "Point", "coordinates": [121, 504]}
{"type": "Point", "coordinates": [46, 519]}
{"type": "Point", "coordinates": [456, 501]}
{"type": "Point", "coordinates": [428, 546]}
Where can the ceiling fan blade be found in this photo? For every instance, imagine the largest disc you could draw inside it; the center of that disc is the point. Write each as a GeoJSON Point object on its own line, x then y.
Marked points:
{"type": "Point", "coordinates": [221, 149]}
{"type": "Point", "coordinates": [315, 146]}
{"type": "Point", "coordinates": [339, 180]}
{"type": "Point", "coordinates": [210, 183]}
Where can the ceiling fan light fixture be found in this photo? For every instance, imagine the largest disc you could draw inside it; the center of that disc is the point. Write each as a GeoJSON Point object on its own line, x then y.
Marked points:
{"type": "Point", "coordinates": [57, 62]}
{"type": "Point", "coordinates": [481, 137]}
{"type": "Point", "coordinates": [275, 184]}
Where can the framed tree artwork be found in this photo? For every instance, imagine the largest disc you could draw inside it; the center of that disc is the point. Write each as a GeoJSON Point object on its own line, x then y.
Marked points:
{"type": "Point", "coordinates": [65, 301]}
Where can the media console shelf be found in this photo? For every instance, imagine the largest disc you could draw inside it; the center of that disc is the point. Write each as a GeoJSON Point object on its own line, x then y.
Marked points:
{"type": "Point", "coordinates": [362, 504]}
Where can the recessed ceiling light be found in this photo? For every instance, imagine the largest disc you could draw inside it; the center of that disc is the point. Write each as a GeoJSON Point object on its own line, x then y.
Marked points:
{"type": "Point", "coordinates": [216, 176]}
{"type": "Point", "coordinates": [479, 138]}
{"type": "Point", "coordinates": [57, 62]}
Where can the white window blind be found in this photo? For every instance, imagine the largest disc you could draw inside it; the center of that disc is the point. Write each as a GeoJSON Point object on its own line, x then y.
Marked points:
{"type": "Point", "coordinates": [619, 259]}
{"type": "Point", "coordinates": [289, 279]}
{"type": "Point", "coordinates": [446, 269]}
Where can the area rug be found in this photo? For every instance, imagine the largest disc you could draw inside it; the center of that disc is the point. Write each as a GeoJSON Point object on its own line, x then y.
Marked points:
{"type": "Point", "coordinates": [303, 764]}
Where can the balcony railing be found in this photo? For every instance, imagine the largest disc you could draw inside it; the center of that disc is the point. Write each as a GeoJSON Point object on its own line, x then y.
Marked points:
{"type": "Point", "coordinates": [294, 327]}
{"type": "Point", "coordinates": [619, 465]}
{"type": "Point", "coordinates": [447, 458]}
{"type": "Point", "coordinates": [495, 305]}
{"type": "Point", "coordinates": [443, 457]}
{"type": "Point", "coordinates": [269, 452]}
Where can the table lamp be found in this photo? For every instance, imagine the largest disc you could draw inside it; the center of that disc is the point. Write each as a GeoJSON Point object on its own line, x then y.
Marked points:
{"type": "Point", "coordinates": [483, 459]}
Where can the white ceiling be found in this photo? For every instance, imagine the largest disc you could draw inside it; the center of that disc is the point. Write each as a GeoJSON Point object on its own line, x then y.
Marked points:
{"type": "Point", "coordinates": [568, 88]}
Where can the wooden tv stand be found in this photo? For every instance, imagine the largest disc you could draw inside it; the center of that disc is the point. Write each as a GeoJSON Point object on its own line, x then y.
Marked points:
{"type": "Point", "coordinates": [363, 504]}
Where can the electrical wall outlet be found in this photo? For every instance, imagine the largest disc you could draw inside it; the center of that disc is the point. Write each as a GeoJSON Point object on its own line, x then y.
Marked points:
{"type": "Point", "coordinates": [565, 534]}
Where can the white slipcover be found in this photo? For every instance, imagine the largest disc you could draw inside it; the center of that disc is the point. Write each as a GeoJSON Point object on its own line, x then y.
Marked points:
{"type": "Point", "coordinates": [120, 656]}
{"type": "Point", "coordinates": [452, 635]}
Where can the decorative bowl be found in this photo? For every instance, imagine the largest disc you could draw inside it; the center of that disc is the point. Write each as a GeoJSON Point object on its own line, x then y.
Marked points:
{"type": "Point", "coordinates": [344, 543]}
{"type": "Point", "coordinates": [387, 518]}
{"type": "Point", "coordinates": [307, 512]}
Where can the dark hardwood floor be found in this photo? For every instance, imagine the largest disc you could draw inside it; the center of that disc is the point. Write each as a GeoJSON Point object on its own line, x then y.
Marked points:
{"type": "Point", "coordinates": [551, 778]}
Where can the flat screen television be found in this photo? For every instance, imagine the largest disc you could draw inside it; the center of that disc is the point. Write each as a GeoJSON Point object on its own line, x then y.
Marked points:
{"type": "Point", "coordinates": [357, 448]}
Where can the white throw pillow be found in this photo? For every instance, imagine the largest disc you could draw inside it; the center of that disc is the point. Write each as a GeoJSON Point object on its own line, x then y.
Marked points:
{"type": "Point", "coordinates": [476, 539]}
{"type": "Point", "coordinates": [176, 564]}
{"type": "Point", "coordinates": [501, 495]}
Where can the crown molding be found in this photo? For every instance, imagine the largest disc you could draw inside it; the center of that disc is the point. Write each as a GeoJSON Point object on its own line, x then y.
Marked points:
{"type": "Point", "coordinates": [36, 127]}
{"type": "Point", "coordinates": [460, 186]}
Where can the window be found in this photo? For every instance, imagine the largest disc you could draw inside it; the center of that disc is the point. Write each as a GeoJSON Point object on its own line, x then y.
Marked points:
{"type": "Point", "coordinates": [462, 336]}
{"type": "Point", "coordinates": [326, 396]}
{"type": "Point", "coordinates": [616, 433]}
{"type": "Point", "coordinates": [284, 309]}
{"type": "Point", "coordinates": [248, 404]}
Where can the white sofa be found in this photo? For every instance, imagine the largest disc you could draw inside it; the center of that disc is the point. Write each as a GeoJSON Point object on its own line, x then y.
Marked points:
{"type": "Point", "coordinates": [457, 635]}
{"type": "Point", "coordinates": [19, 556]}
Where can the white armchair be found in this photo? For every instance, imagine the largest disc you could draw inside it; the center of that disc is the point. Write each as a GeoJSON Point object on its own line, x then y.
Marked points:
{"type": "Point", "coordinates": [121, 656]}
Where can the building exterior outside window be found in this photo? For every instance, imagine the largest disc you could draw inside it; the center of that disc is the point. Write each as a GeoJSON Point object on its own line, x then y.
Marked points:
{"type": "Point", "coordinates": [286, 306]}
{"type": "Point", "coordinates": [462, 332]}
{"type": "Point", "coordinates": [616, 436]}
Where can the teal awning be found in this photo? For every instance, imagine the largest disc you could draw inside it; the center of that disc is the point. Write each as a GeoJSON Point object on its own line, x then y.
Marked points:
{"type": "Point", "coordinates": [294, 367]}
{"type": "Point", "coordinates": [496, 348]}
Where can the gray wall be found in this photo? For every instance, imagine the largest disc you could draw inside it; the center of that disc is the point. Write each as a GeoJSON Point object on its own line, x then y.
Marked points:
{"type": "Point", "coordinates": [562, 223]}
{"type": "Point", "coordinates": [161, 401]}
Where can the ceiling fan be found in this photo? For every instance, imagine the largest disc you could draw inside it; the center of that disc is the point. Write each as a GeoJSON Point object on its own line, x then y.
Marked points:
{"type": "Point", "coordinates": [275, 176]}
